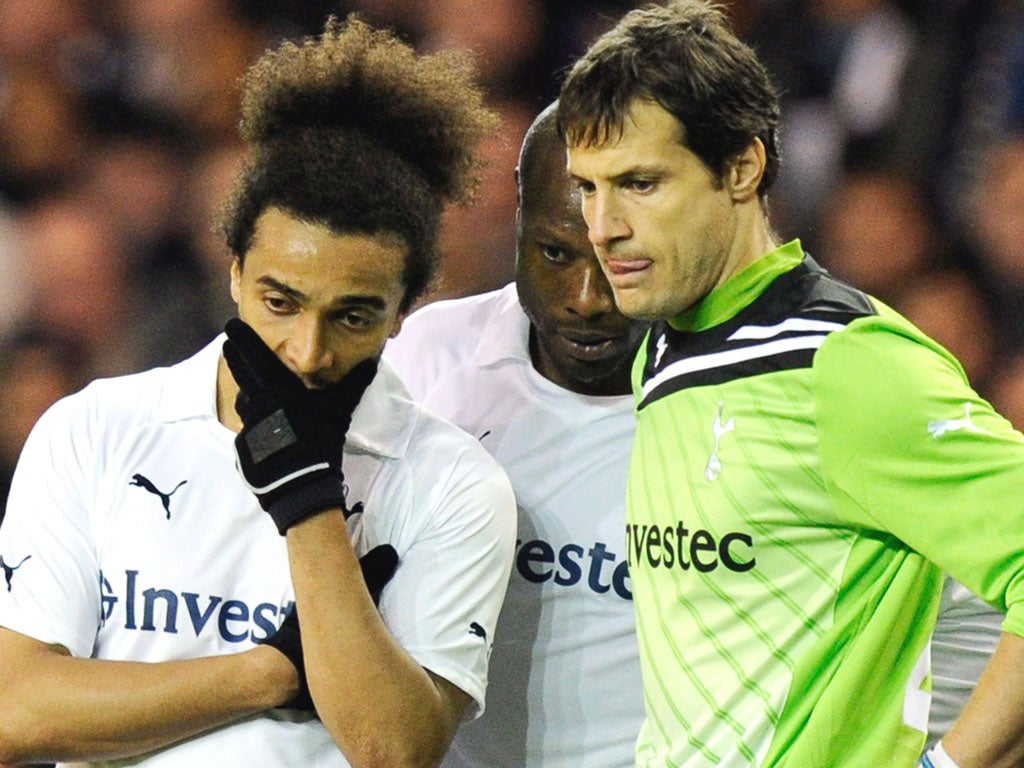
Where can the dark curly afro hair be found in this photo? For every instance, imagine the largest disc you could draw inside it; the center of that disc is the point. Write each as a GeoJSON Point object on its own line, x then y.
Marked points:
{"type": "Point", "coordinates": [355, 131]}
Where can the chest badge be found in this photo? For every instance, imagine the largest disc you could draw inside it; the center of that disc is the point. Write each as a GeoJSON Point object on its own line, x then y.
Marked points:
{"type": "Point", "coordinates": [714, 466]}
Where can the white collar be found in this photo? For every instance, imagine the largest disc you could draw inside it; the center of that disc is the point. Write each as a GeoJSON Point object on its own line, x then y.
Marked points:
{"type": "Point", "coordinates": [506, 334]}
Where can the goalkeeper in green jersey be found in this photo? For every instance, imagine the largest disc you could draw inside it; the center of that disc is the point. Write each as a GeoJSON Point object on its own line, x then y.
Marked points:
{"type": "Point", "coordinates": [808, 466]}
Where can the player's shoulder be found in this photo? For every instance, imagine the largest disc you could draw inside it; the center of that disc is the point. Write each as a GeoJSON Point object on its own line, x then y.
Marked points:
{"type": "Point", "coordinates": [451, 322]}
{"type": "Point", "coordinates": [392, 424]}
{"type": "Point", "coordinates": [446, 471]}
{"type": "Point", "coordinates": [118, 399]}
{"type": "Point", "coordinates": [886, 345]}
{"type": "Point", "coordinates": [456, 311]}
{"type": "Point", "coordinates": [119, 403]}
{"type": "Point", "coordinates": [438, 442]}
{"type": "Point", "coordinates": [446, 336]}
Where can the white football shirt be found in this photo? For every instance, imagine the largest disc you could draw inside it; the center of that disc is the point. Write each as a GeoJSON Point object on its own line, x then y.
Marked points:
{"type": "Point", "coordinates": [565, 676]}
{"type": "Point", "coordinates": [966, 633]}
{"type": "Point", "coordinates": [136, 539]}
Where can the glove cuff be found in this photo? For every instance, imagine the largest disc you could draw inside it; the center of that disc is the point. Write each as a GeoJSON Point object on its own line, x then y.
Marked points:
{"type": "Point", "coordinates": [315, 493]}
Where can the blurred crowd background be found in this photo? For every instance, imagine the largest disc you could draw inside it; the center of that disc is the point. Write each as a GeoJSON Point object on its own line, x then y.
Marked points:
{"type": "Point", "coordinates": [902, 139]}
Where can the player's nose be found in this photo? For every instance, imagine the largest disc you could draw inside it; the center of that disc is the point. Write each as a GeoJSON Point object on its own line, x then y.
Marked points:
{"type": "Point", "coordinates": [307, 350]}
{"type": "Point", "coordinates": [605, 223]}
{"type": "Point", "coordinates": [589, 296]}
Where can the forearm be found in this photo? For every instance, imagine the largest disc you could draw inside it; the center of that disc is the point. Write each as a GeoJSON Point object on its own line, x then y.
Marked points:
{"type": "Point", "coordinates": [380, 706]}
{"type": "Point", "coordinates": [56, 707]}
{"type": "Point", "coordinates": [990, 731]}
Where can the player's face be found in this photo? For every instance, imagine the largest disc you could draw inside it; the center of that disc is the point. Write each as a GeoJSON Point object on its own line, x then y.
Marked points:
{"type": "Point", "coordinates": [322, 301]}
{"type": "Point", "coordinates": [662, 224]}
{"type": "Point", "coordinates": [580, 340]}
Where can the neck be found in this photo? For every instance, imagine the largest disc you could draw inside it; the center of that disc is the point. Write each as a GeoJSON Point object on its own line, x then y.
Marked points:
{"type": "Point", "coordinates": [754, 238]}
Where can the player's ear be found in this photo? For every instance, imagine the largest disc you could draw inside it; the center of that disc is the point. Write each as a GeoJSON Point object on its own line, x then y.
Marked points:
{"type": "Point", "coordinates": [236, 280]}
{"type": "Point", "coordinates": [398, 325]}
{"type": "Point", "coordinates": [743, 176]}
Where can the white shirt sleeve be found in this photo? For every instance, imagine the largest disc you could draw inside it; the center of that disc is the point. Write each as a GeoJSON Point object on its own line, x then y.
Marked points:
{"type": "Point", "coordinates": [53, 591]}
{"type": "Point", "coordinates": [455, 552]}
{"type": "Point", "coordinates": [966, 634]}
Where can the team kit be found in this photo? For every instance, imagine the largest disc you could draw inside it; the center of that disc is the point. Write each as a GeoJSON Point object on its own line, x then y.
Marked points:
{"type": "Point", "coordinates": [674, 497]}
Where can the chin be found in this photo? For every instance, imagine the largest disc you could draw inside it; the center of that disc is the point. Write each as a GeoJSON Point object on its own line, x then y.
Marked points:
{"type": "Point", "coordinates": [636, 308]}
{"type": "Point", "coordinates": [595, 374]}
{"type": "Point", "coordinates": [649, 313]}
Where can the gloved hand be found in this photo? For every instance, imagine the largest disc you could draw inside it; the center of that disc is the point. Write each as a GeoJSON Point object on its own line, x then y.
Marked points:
{"type": "Point", "coordinates": [378, 567]}
{"type": "Point", "coordinates": [937, 757]}
{"type": "Point", "coordinates": [289, 449]}
{"type": "Point", "coordinates": [289, 642]}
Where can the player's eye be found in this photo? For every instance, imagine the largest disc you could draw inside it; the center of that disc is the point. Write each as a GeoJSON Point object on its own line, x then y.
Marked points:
{"type": "Point", "coordinates": [553, 253]}
{"type": "Point", "coordinates": [585, 188]}
{"type": "Point", "coordinates": [279, 305]}
{"type": "Point", "coordinates": [354, 320]}
{"type": "Point", "coordinates": [642, 185]}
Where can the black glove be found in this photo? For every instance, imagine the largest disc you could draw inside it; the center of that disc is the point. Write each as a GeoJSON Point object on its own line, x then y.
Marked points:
{"type": "Point", "coordinates": [289, 642]}
{"type": "Point", "coordinates": [378, 567]}
{"type": "Point", "coordinates": [289, 449]}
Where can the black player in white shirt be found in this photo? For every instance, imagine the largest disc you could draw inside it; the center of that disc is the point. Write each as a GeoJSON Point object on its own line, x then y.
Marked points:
{"type": "Point", "coordinates": [539, 371]}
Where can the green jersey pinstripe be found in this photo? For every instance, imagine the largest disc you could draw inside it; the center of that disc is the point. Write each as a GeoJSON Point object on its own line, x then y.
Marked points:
{"type": "Point", "coordinates": [806, 466]}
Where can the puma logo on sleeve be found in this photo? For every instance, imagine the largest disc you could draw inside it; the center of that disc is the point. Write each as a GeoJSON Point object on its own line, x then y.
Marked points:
{"type": "Point", "coordinates": [10, 569]}
{"type": "Point", "coordinates": [940, 427]}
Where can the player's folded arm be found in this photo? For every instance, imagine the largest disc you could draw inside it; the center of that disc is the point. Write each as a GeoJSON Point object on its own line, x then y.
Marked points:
{"type": "Point", "coordinates": [56, 707]}
{"type": "Point", "coordinates": [439, 610]}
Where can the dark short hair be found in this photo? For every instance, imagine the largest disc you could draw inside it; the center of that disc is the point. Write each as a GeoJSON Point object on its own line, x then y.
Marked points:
{"type": "Point", "coordinates": [685, 57]}
{"type": "Point", "coordinates": [539, 143]}
{"type": "Point", "coordinates": [355, 131]}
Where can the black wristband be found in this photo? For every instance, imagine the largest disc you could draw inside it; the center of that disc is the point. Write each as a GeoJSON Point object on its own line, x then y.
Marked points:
{"type": "Point", "coordinates": [321, 491]}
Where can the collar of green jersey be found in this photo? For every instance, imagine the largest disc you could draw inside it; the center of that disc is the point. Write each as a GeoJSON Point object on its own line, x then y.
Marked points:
{"type": "Point", "coordinates": [740, 290]}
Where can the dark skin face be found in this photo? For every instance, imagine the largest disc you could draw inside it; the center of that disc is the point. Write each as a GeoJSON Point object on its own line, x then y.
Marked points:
{"type": "Point", "coordinates": [578, 339]}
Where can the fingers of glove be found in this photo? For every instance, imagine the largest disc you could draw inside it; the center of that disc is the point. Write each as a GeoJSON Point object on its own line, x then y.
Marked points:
{"type": "Point", "coordinates": [245, 376]}
{"type": "Point", "coordinates": [378, 566]}
{"type": "Point", "coordinates": [288, 641]}
{"type": "Point", "coordinates": [243, 354]}
{"type": "Point", "coordinates": [257, 365]}
{"type": "Point", "coordinates": [356, 381]}
{"type": "Point", "coordinates": [251, 402]}
{"type": "Point", "coordinates": [340, 400]}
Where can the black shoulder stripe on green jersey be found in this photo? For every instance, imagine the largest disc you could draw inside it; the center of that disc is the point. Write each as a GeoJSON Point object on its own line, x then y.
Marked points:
{"type": "Point", "coordinates": [779, 331]}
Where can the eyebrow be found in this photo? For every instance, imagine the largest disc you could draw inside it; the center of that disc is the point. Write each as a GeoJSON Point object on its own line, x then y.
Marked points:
{"type": "Point", "coordinates": [372, 302]}
{"type": "Point", "coordinates": [648, 170]}
{"type": "Point", "coordinates": [643, 169]}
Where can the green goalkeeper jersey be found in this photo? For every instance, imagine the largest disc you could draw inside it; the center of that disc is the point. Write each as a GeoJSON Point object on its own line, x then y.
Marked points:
{"type": "Point", "coordinates": [807, 465]}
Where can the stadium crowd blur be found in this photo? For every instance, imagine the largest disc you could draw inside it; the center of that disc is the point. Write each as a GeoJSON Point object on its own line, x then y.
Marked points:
{"type": "Point", "coordinates": [903, 147]}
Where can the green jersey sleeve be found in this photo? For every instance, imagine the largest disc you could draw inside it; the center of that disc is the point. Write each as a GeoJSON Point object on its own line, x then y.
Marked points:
{"type": "Point", "coordinates": [908, 448]}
